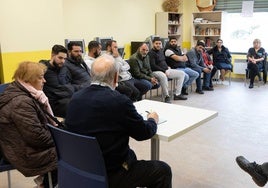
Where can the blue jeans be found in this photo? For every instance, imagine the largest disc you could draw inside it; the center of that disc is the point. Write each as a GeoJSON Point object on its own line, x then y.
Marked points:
{"type": "Point", "coordinates": [148, 84]}
{"type": "Point", "coordinates": [190, 76]}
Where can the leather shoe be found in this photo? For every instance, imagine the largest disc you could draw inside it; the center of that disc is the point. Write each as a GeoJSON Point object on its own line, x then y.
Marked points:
{"type": "Point", "coordinates": [184, 91]}
{"type": "Point", "coordinates": [167, 99]}
{"type": "Point", "coordinates": [199, 91]}
{"type": "Point", "coordinates": [208, 88]}
{"type": "Point", "coordinates": [179, 97]}
{"type": "Point", "coordinates": [250, 86]}
{"type": "Point", "coordinates": [253, 169]}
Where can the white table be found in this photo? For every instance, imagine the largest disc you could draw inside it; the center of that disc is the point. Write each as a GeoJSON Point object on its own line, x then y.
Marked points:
{"type": "Point", "coordinates": [180, 120]}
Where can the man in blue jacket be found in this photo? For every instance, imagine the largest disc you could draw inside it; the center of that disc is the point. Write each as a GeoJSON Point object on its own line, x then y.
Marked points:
{"type": "Point", "coordinates": [101, 111]}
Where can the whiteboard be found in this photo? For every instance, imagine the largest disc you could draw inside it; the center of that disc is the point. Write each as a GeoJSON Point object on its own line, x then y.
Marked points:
{"type": "Point", "coordinates": [238, 32]}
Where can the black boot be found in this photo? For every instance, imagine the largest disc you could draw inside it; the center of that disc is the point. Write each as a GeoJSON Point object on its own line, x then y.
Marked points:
{"type": "Point", "coordinates": [184, 91]}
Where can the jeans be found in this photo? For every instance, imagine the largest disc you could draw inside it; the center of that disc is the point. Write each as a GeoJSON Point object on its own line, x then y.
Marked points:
{"type": "Point", "coordinates": [206, 79]}
{"type": "Point", "coordinates": [141, 173]}
{"type": "Point", "coordinates": [190, 76]}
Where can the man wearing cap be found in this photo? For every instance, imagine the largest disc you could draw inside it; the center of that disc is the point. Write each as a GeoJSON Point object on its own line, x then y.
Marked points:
{"type": "Point", "coordinates": [196, 62]}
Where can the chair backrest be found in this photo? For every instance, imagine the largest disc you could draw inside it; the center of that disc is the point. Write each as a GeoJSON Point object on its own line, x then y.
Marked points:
{"type": "Point", "coordinates": [80, 160]}
{"type": "Point", "coordinates": [3, 87]}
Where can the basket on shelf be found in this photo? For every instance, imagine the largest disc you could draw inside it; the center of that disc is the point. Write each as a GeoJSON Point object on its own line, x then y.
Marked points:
{"type": "Point", "coordinates": [208, 8]}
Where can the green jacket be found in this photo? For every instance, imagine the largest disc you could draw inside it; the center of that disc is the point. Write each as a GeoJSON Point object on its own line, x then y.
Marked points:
{"type": "Point", "coordinates": [140, 67]}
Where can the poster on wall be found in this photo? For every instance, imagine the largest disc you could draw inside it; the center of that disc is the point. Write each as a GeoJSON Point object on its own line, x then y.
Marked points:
{"type": "Point", "coordinates": [238, 32]}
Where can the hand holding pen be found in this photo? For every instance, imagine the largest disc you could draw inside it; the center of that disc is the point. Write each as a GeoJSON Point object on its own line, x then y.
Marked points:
{"type": "Point", "coordinates": [153, 115]}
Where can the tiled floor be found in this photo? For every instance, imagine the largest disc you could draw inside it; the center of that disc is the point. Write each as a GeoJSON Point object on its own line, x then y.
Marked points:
{"type": "Point", "coordinates": [205, 157]}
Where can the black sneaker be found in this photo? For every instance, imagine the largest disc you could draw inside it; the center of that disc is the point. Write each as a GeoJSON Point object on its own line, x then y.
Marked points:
{"type": "Point", "coordinates": [253, 169]}
{"type": "Point", "coordinates": [199, 91]}
{"type": "Point", "coordinates": [167, 99]}
{"type": "Point", "coordinates": [179, 97]}
{"type": "Point", "coordinates": [208, 88]}
{"type": "Point", "coordinates": [184, 91]}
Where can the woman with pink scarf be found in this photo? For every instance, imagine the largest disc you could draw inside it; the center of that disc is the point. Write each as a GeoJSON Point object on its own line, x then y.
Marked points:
{"type": "Point", "coordinates": [25, 140]}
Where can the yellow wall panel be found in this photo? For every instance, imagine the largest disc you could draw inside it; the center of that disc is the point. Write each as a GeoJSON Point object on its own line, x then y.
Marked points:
{"type": "Point", "coordinates": [10, 61]}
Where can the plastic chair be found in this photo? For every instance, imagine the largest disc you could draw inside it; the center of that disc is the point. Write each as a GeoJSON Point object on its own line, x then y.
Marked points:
{"type": "Point", "coordinates": [80, 160]}
{"type": "Point", "coordinates": [3, 87]}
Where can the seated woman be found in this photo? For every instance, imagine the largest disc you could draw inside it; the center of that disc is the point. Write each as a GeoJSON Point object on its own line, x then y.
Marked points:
{"type": "Point", "coordinates": [25, 140]}
{"type": "Point", "coordinates": [255, 57]}
{"type": "Point", "coordinates": [222, 58]}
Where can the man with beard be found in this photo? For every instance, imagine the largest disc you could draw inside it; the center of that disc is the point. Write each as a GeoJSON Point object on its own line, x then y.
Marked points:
{"type": "Point", "coordinates": [177, 60]}
{"type": "Point", "coordinates": [57, 86]}
{"type": "Point", "coordinates": [196, 62]}
{"type": "Point", "coordinates": [79, 71]}
{"type": "Point", "coordinates": [127, 85]}
{"type": "Point", "coordinates": [162, 71]}
{"type": "Point", "coordinates": [94, 51]}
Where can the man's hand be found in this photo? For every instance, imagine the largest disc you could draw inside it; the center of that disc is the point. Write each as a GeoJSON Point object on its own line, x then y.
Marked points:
{"type": "Point", "coordinates": [154, 81]}
{"type": "Point", "coordinates": [206, 70]}
{"type": "Point", "coordinates": [153, 115]}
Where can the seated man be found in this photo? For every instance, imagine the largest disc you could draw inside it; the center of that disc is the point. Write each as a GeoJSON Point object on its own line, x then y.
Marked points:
{"type": "Point", "coordinates": [57, 87]}
{"type": "Point", "coordinates": [162, 72]}
{"type": "Point", "coordinates": [259, 173]}
{"type": "Point", "coordinates": [177, 60]}
{"type": "Point", "coordinates": [196, 62]}
{"type": "Point", "coordinates": [140, 67]}
{"type": "Point", "coordinates": [79, 71]}
{"type": "Point", "coordinates": [126, 81]}
{"type": "Point", "coordinates": [112, 118]}
{"type": "Point", "coordinates": [94, 51]}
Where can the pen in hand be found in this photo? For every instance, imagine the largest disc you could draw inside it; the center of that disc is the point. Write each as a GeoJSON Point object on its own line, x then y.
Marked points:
{"type": "Point", "coordinates": [153, 115]}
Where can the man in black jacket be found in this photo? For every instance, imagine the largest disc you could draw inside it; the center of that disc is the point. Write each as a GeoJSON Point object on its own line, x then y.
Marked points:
{"type": "Point", "coordinates": [79, 71]}
{"type": "Point", "coordinates": [112, 118]}
{"type": "Point", "coordinates": [58, 87]}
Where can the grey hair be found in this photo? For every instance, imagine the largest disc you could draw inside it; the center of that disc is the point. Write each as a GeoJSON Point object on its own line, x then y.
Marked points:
{"type": "Point", "coordinates": [106, 76]}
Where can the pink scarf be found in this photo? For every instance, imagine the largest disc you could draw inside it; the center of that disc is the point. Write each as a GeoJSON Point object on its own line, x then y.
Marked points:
{"type": "Point", "coordinates": [40, 96]}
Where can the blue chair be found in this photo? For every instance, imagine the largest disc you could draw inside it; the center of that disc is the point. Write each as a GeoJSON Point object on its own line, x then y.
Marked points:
{"type": "Point", "coordinates": [80, 160]}
{"type": "Point", "coordinates": [3, 87]}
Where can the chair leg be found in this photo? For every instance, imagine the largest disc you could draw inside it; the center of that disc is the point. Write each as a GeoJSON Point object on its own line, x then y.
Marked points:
{"type": "Point", "coordinates": [230, 78]}
{"type": "Point", "coordinates": [8, 179]}
{"type": "Point", "coordinates": [50, 180]}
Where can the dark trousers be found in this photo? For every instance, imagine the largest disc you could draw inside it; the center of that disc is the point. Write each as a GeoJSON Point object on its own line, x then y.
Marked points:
{"type": "Point", "coordinates": [150, 174]}
{"type": "Point", "coordinates": [213, 72]}
{"type": "Point", "coordinates": [254, 70]}
{"type": "Point", "coordinates": [198, 79]}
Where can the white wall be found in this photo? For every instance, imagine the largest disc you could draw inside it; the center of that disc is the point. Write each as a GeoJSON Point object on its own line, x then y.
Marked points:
{"type": "Point", "coordinates": [30, 25]}
{"type": "Point", "coordinates": [125, 20]}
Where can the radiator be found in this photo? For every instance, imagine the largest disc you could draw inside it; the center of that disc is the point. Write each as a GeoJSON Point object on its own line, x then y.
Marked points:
{"type": "Point", "coordinates": [239, 66]}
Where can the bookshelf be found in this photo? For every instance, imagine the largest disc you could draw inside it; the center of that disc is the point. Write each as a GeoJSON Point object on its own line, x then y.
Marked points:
{"type": "Point", "coordinates": [206, 26]}
{"type": "Point", "coordinates": [169, 24]}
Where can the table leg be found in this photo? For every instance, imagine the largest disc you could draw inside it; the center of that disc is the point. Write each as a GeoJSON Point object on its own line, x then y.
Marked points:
{"type": "Point", "coordinates": [155, 149]}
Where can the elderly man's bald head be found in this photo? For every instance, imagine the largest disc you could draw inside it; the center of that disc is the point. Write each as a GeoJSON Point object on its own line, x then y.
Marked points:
{"type": "Point", "coordinates": [104, 70]}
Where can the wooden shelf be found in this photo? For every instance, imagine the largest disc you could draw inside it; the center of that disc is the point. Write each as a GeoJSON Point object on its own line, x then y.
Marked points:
{"type": "Point", "coordinates": [169, 24]}
{"type": "Point", "coordinates": [206, 26]}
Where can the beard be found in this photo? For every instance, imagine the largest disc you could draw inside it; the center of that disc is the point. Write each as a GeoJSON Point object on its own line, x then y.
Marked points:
{"type": "Point", "coordinates": [77, 59]}
{"type": "Point", "coordinates": [96, 54]}
{"type": "Point", "coordinates": [57, 67]}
